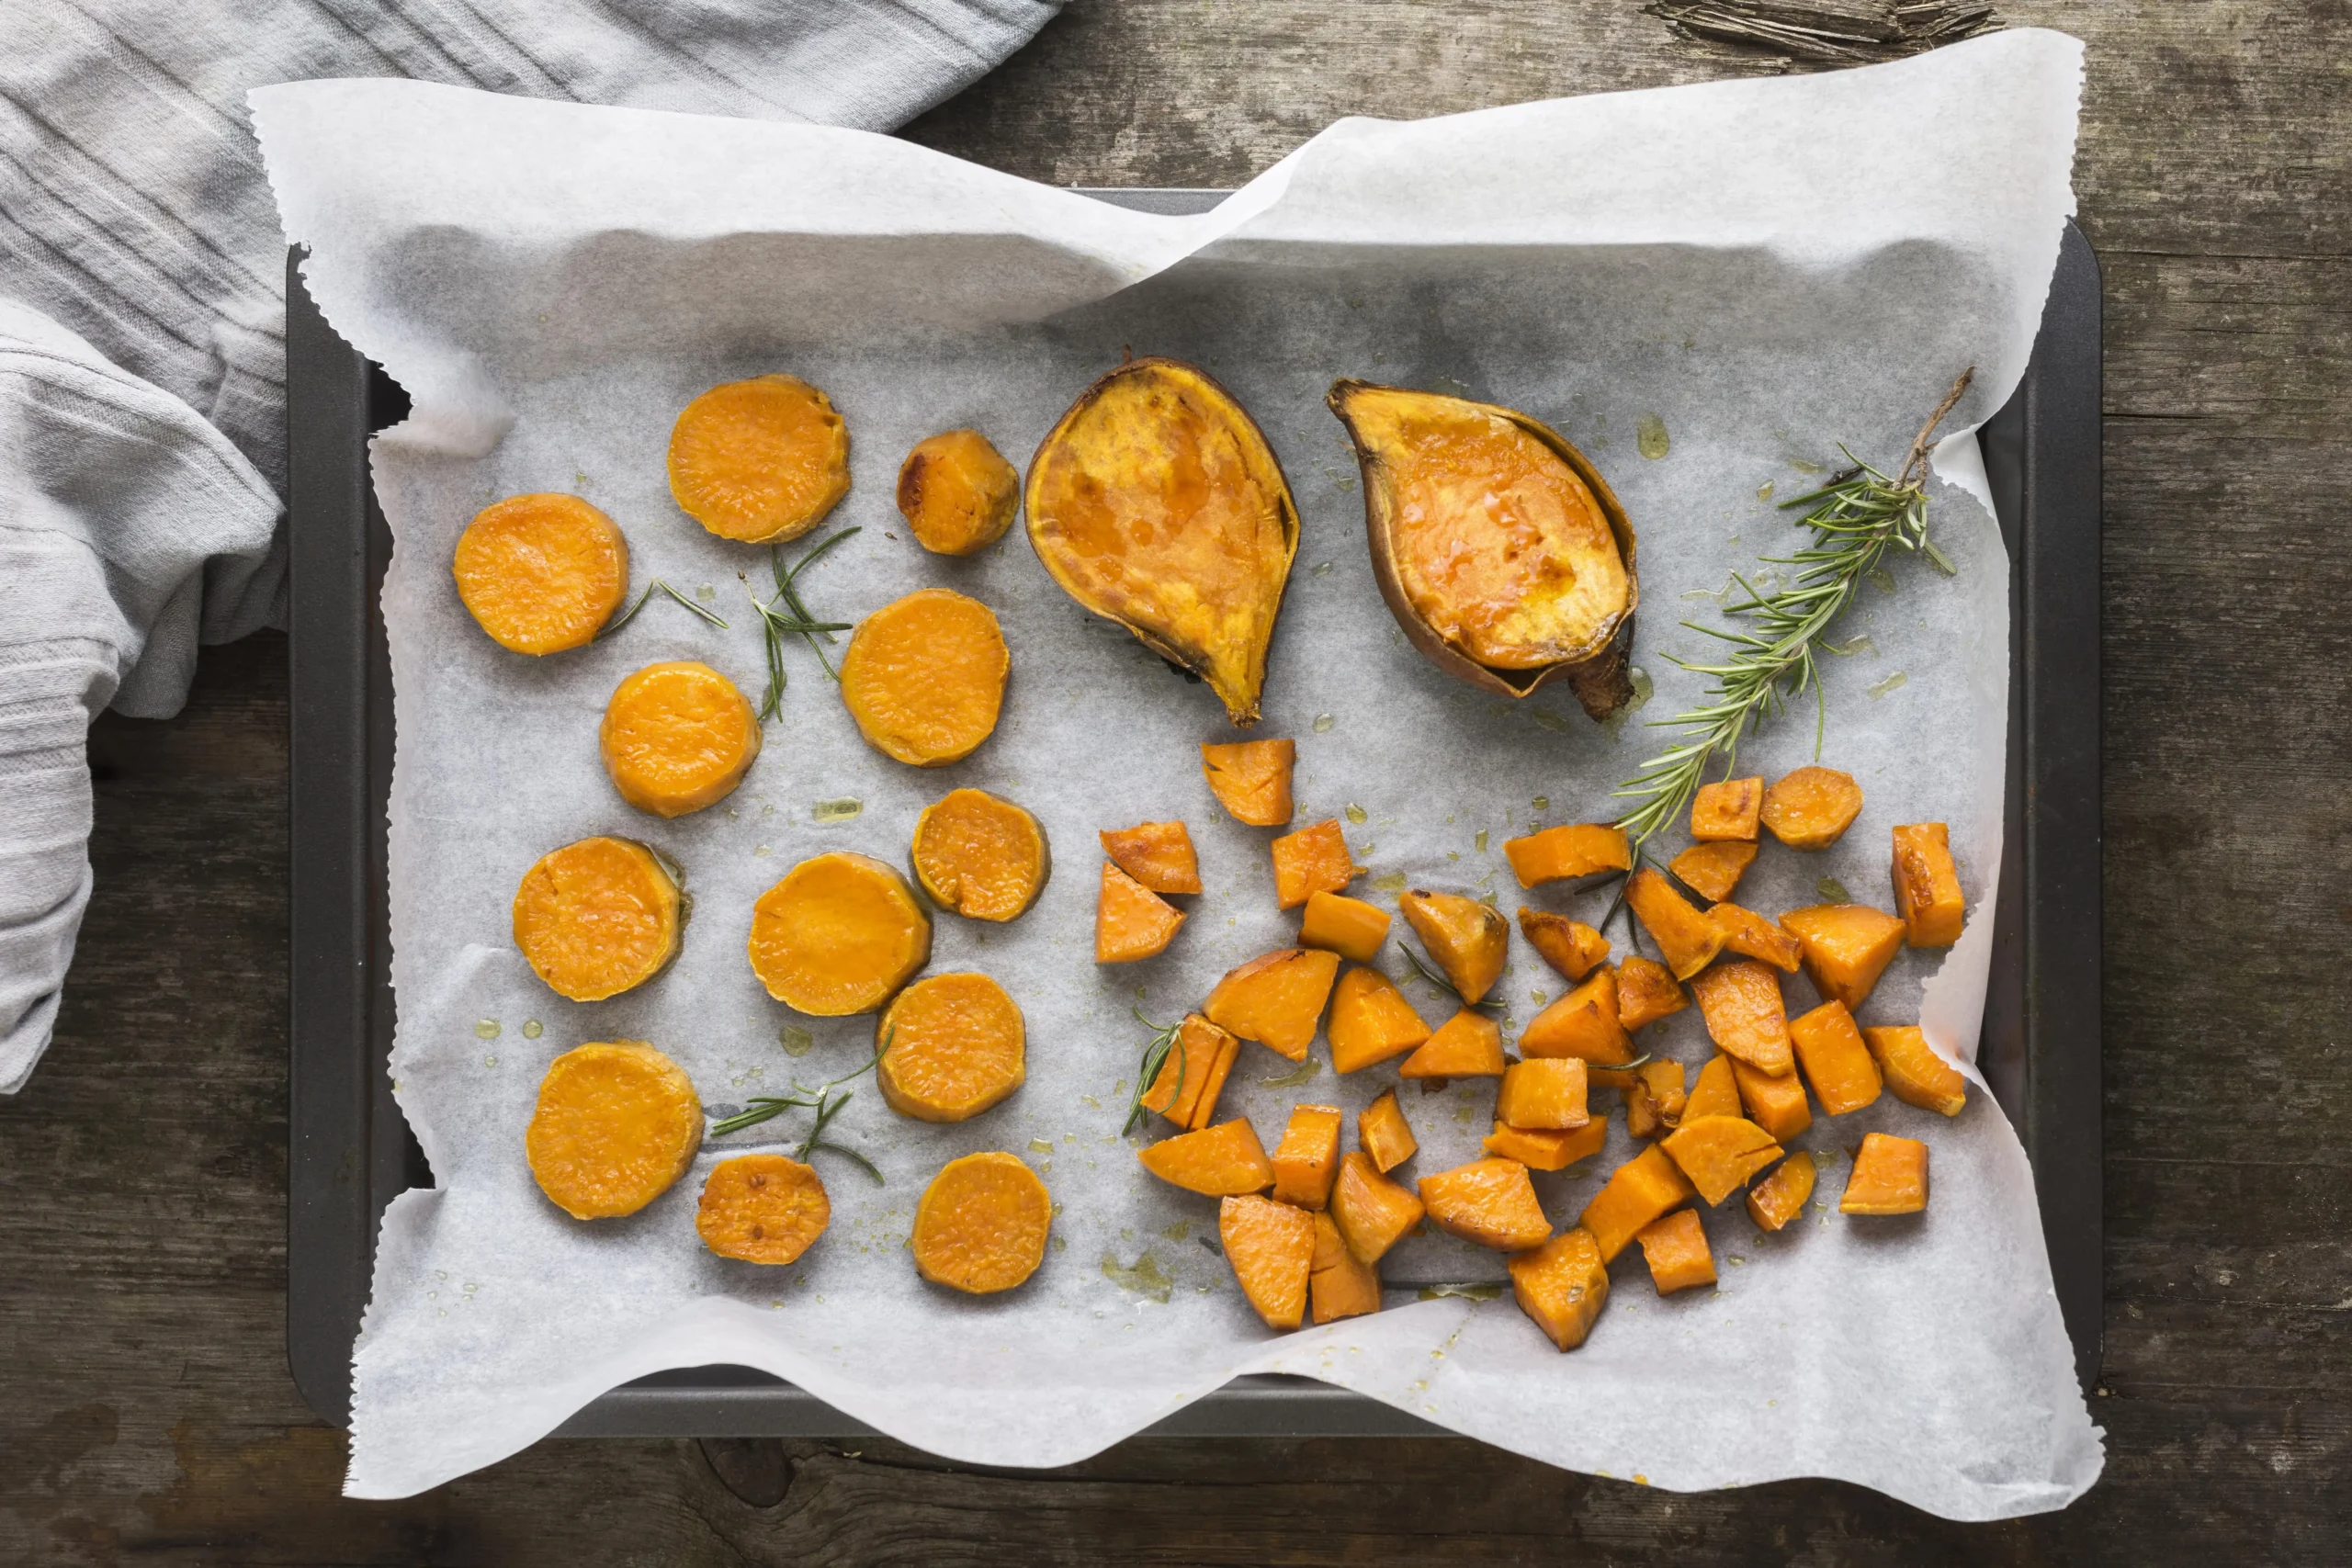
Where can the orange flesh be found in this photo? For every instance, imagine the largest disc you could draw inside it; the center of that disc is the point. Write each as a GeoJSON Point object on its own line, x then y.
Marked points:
{"type": "Point", "coordinates": [761, 1208]}
{"type": "Point", "coordinates": [1775, 1102]}
{"type": "Point", "coordinates": [597, 917]}
{"type": "Point", "coordinates": [1845, 948]}
{"type": "Point", "coordinates": [541, 573]}
{"type": "Point", "coordinates": [958, 493]}
{"type": "Point", "coordinates": [1307, 1158]}
{"type": "Point", "coordinates": [1348, 926]}
{"type": "Point", "coordinates": [1384, 1134]}
{"type": "Point", "coordinates": [1750, 935]}
{"type": "Point", "coordinates": [1489, 1202]}
{"type": "Point", "coordinates": [616, 1124]}
{"type": "Point", "coordinates": [1373, 1213]}
{"type": "Point", "coordinates": [1467, 1045]}
{"type": "Point", "coordinates": [1313, 860]}
{"type": "Point", "coordinates": [952, 1045]}
{"type": "Point", "coordinates": [981, 1226]}
{"type": "Point", "coordinates": [1654, 1100]}
{"type": "Point", "coordinates": [1742, 1004]}
{"type": "Point", "coordinates": [1811, 808]}
{"type": "Point", "coordinates": [1890, 1177]}
{"type": "Point", "coordinates": [1582, 1023]}
{"type": "Point", "coordinates": [1715, 1091]}
{"type": "Point", "coordinates": [1276, 1000]}
{"type": "Point", "coordinates": [1371, 1022]}
{"type": "Point", "coordinates": [1726, 811]}
{"type": "Point", "coordinates": [1569, 946]}
{"type": "Point", "coordinates": [1338, 1285]}
{"type": "Point", "coordinates": [1635, 1193]}
{"type": "Point", "coordinates": [760, 461]}
{"type": "Point", "coordinates": [1470, 940]}
{"type": "Point", "coordinates": [677, 737]}
{"type": "Point", "coordinates": [1562, 1286]}
{"type": "Point", "coordinates": [1130, 920]}
{"type": "Point", "coordinates": [1220, 1161]}
{"type": "Point", "coordinates": [1688, 939]}
{"type": "Point", "coordinates": [1547, 1151]}
{"type": "Point", "coordinates": [1718, 1152]}
{"type": "Point", "coordinates": [1780, 1197]}
{"type": "Point", "coordinates": [1544, 1092]}
{"type": "Point", "coordinates": [1558, 853]}
{"type": "Point", "coordinates": [838, 935]}
{"type": "Point", "coordinates": [1159, 855]}
{"type": "Point", "coordinates": [1836, 1060]}
{"type": "Point", "coordinates": [1926, 884]}
{"type": "Point", "coordinates": [1647, 992]}
{"type": "Point", "coordinates": [1914, 1073]}
{"type": "Point", "coordinates": [924, 677]}
{"type": "Point", "coordinates": [1676, 1249]}
{"type": "Point", "coordinates": [1192, 1073]}
{"type": "Point", "coordinates": [979, 856]}
{"type": "Point", "coordinates": [1713, 871]}
{"type": "Point", "coordinates": [1271, 1248]}
{"type": "Point", "coordinates": [1252, 779]}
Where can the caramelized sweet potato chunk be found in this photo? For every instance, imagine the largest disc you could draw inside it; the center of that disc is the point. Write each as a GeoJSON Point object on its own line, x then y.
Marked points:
{"type": "Point", "coordinates": [958, 493]}
{"type": "Point", "coordinates": [1780, 1197]}
{"type": "Point", "coordinates": [1718, 1152]}
{"type": "Point", "coordinates": [1571, 850]}
{"type": "Point", "coordinates": [838, 935]}
{"type": "Point", "coordinates": [1469, 940]}
{"type": "Point", "coordinates": [1489, 1202]}
{"type": "Point", "coordinates": [952, 1046]}
{"type": "Point", "coordinates": [541, 573]}
{"type": "Point", "coordinates": [1726, 811]}
{"type": "Point", "coordinates": [1635, 1193]}
{"type": "Point", "coordinates": [1540, 1150]}
{"type": "Point", "coordinates": [1582, 1023]}
{"type": "Point", "coordinates": [1543, 1092]}
{"type": "Point", "coordinates": [1192, 1073]}
{"type": "Point", "coordinates": [1271, 1248]}
{"type": "Point", "coordinates": [761, 1208]}
{"type": "Point", "coordinates": [1371, 1022]}
{"type": "Point", "coordinates": [981, 855]}
{"type": "Point", "coordinates": [1562, 1286]}
{"type": "Point", "coordinates": [759, 461]}
{"type": "Point", "coordinates": [1131, 921]}
{"type": "Point", "coordinates": [1811, 808]}
{"type": "Point", "coordinates": [1218, 1161]}
{"type": "Point", "coordinates": [1647, 992]}
{"type": "Point", "coordinates": [981, 1225]}
{"type": "Point", "coordinates": [1276, 1000]}
{"type": "Point", "coordinates": [1716, 1092]}
{"type": "Point", "coordinates": [1686, 938]}
{"type": "Point", "coordinates": [923, 677]}
{"type": "Point", "coordinates": [1252, 779]}
{"type": "Point", "coordinates": [1835, 1061]}
{"type": "Point", "coordinates": [1926, 884]}
{"type": "Point", "coordinates": [1373, 1213]}
{"type": "Point", "coordinates": [1846, 948]}
{"type": "Point", "coordinates": [1775, 1102]}
{"type": "Point", "coordinates": [1337, 1284]}
{"type": "Point", "coordinates": [1313, 860]}
{"type": "Point", "coordinates": [1569, 946]}
{"type": "Point", "coordinates": [1383, 1132]}
{"type": "Point", "coordinates": [1890, 1177]}
{"type": "Point", "coordinates": [1750, 935]}
{"type": "Point", "coordinates": [1676, 1249]}
{"type": "Point", "coordinates": [1159, 855]}
{"type": "Point", "coordinates": [1742, 1004]}
{"type": "Point", "coordinates": [617, 1122]}
{"type": "Point", "coordinates": [1307, 1159]}
{"type": "Point", "coordinates": [1915, 1073]}
{"type": "Point", "coordinates": [1655, 1098]}
{"type": "Point", "coordinates": [1713, 870]}
{"type": "Point", "coordinates": [677, 737]}
{"type": "Point", "coordinates": [1348, 926]}
{"type": "Point", "coordinates": [598, 918]}
{"type": "Point", "coordinates": [1467, 1045]}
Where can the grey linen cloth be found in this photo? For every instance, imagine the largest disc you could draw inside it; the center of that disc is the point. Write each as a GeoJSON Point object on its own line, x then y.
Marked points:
{"type": "Point", "coordinates": [142, 322]}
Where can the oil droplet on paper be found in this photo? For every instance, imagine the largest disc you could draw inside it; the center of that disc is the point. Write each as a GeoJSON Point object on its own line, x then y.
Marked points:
{"type": "Point", "coordinates": [1040, 1146]}
{"type": "Point", "coordinates": [1881, 579]}
{"type": "Point", "coordinates": [487, 1028]}
{"type": "Point", "coordinates": [490, 1061]}
{"type": "Point", "coordinates": [1390, 882]}
{"type": "Point", "coordinates": [1479, 1292]}
{"type": "Point", "coordinates": [1178, 1231]}
{"type": "Point", "coordinates": [1061, 1244]}
{"type": "Point", "coordinates": [532, 1028]}
{"type": "Point", "coordinates": [1543, 803]}
{"type": "Point", "coordinates": [840, 810]}
{"type": "Point", "coordinates": [1356, 814]}
{"type": "Point", "coordinates": [1548, 720]}
{"type": "Point", "coordinates": [1642, 688]}
{"type": "Point", "coordinates": [1323, 723]}
{"type": "Point", "coordinates": [1829, 887]}
{"type": "Point", "coordinates": [1322, 569]}
{"type": "Point", "coordinates": [1145, 1278]}
{"type": "Point", "coordinates": [1861, 644]}
{"type": "Point", "coordinates": [706, 593]}
{"type": "Point", "coordinates": [1764, 490]}
{"type": "Point", "coordinates": [1878, 689]}
{"type": "Point", "coordinates": [794, 1040]}
{"type": "Point", "coordinates": [1649, 435]}
{"type": "Point", "coordinates": [1481, 840]}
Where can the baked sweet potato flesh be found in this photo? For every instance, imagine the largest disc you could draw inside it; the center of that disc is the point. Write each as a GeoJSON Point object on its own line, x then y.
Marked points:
{"type": "Point", "coordinates": [1676, 1249]}
{"type": "Point", "coordinates": [1572, 850]}
{"type": "Point", "coordinates": [1715, 1091]}
{"type": "Point", "coordinates": [1218, 1161]}
{"type": "Point", "coordinates": [1383, 1132]}
{"type": "Point", "coordinates": [1192, 1075]}
{"type": "Point", "coordinates": [1252, 779]}
{"type": "Point", "coordinates": [1543, 1092]}
{"type": "Point", "coordinates": [1750, 935]}
{"type": "Point", "coordinates": [760, 461]}
{"type": "Point", "coordinates": [1915, 1073]}
{"type": "Point", "coordinates": [1686, 938]}
{"type": "Point", "coordinates": [952, 1045]}
{"type": "Point", "coordinates": [1159, 855]}
{"type": "Point", "coordinates": [616, 1124]}
{"type": "Point", "coordinates": [1373, 1213]}
{"type": "Point", "coordinates": [1569, 946]}
{"type": "Point", "coordinates": [1540, 1150]}
{"type": "Point", "coordinates": [1890, 1177]}
{"type": "Point", "coordinates": [1156, 502]}
{"type": "Point", "coordinates": [1313, 860]}
{"type": "Point", "coordinates": [958, 493]}
{"type": "Point", "coordinates": [1371, 1022]}
{"type": "Point", "coordinates": [1467, 1045]}
{"type": "Point", "coordinates": [1647, 992]}
{"type": "Point", "coordinates": [1582, 1023]}
{"type": "Point", "coordinates": [1271, 1248]}
{"type": "Point", "coordinates": [1713, 870]}
{"type": "Point", "coordinates": [761, 1208]}
{"type": "Point", "coordinates": [1926, 884]}
{"type": "Point", "coordinates": [1130, 920]}
{"type": "Point", "coordinates": [838, 935]}
{"type": "Point", "coordinates": [1774, 1101]}
{"type": "Point", "coordinates": [1562, 1286]}
{"type": "Point", "coordinates": [1636, 1192]}
{"type": "Point", "coordinates": [925, 676]}
{"type": "Point", "coordinates": [597, 917]}
{"type": "Point", "coordinates": [1745, 1017]}
{"type": "Point", "coordinates": [1489, 1202]}
{"type": "Point", "coordinates": [1348, 926]}
{"type": "Point", "coordinates": [1781, 1196]}
{"type": "Point", "coordinates": [1338, 1285]}
{"type": "Point", "coordinates": [1501, 551]}
{"type": "Point", "coordinates": [677, 737]}
{"type": "Point", "coordinates": [1307, 1158]}
{"type": "Point", "coordinates": [1655, 1098]}
{"type": "Point", "coordinates": [1469, 940]}
{"type": "Point", "coordinates": [1811, 808]}
{"type": "Point", "coordinates": [1726, 811]}
{"type": "Point", "coordinates": [981, 855]}
{"type": "Point", "coordinates": [541, 573]}
{"type": "Point", "coordinates": [1276, 1000]}
{"type": "Point", "coordinates": [981, 1225]}
{"type": "Point", "coordinates": [1845, 948]}
{"type": "Point", "coordinates": [1836, 1060]}
{"type": "Point", "coordinates": [1719, 1153]}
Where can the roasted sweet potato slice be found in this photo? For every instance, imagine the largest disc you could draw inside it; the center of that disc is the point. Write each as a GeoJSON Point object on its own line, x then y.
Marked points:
{"type": "Point", "coordinates": [760, 461]}
{"type": "Point", "coordinates": [1218, 1161]}
{"type": "Point", "coordinates": [1271, 1248]}
{"type": "Point", "coordinates": [1468, 940]}
{"type": "Point", "coordinates": [1726, 811]}
{"type": "Point", "coordinates": [1489, 1202]}
{"type": "Point", "coordinates": [1836, 1060]}
{"type": "Point", "coordinates": [1371, 1212]}
{"type": "Point", "coordinates": [1713, 870]}
{"type": "Point", "coordinates": [1562, 1286]}
{"type": "Point", "coordinates": [1926, 884]}
{"type": "Point", "coordinates": [1685, 937]}
{"type": "Point", "coordinates": [1846, 948]}
{"type": "Point", "coordinates": [952, 1045]}
{"type": "Point", "coordinates": [981, 1225]}
{"type": "Point", "coordinates": [1383, 1132]}
{"type": "Point", "coordinates": [1159, 855]}
{"type": "Point", "coordinates": [958, 493]}
{"type": "Point", "coordinates": [1540, 1150]}
{"type": "Point", "coordinates": [1715, 1091]}
{"type": "Point", "coordinates": [1252, 779]}
{"type": "Point", "coordinates": [1774, 1101]}
{"type": "Point", "coordinates": [1811, 808]}
{"type": "Point", "coordinates": [677, 737]}
{"type": "Point", "coordinates": [1582, 1023]}
{"type": "Point", "coordinates": [1307, 1159]}
{"type": "Point", "coordinates": [1780, 1197]}
{"type": "Point", "coordinates": [1635, 1193]}
{"type": "Point", "coordinates": [1573, 849]}
{"type": "Point", "coordinates": [1655, 1098]}
{"type": "Point", "coordinates": [541, 573]}
{"type": "Point", "coordinates": [1276, 1000]}
{"type": "Point", "coordinates": [1348, 926]}
{"type": "Point", "coordinates": [1890, 1177]}
{"type": "Point", "coordinates": [1915, 1073]}
{"type": "Point", "coordinates": [1467, 1045]}
{"type": "Point", "coordinates": [981, 855]}
{"type": "Point", "coordinates": [923, 677]}
{"type": "Point", "coordinates": [1371, 1022]}
{"type": "Point", "coordinates": [617, 1122]}
{"type": "Point", "coordinates": [1569, 946]}
{"type": "Point", "coordinates": [1192, 1075]}
{"type": "Point", "coordinates": [598, 918]}
{"type": "Point", "coordinates": [1676, 1249]}
{"type": "Point", "coordinates": [1718, 1152]}
{"type": "Point", "coordinates": [1742, 1004]}
{"type": "Point", "coordinates": [1130, 920]}
{"type": "Point", "coordinates": [1647, 992]}
{"type": "Point", "coordinates": [838, 935]}
{"type": "Point", "coordinates": [1313, 860]}
{"type": "Point", "coordinates": [1543, 1092]}
{"type": "Point", "coordinates": [1750, 935]}
{"type": "Point", "coordinates": [761, 1208]}
{"type": "Point", "coordinates": [1338, 1285]}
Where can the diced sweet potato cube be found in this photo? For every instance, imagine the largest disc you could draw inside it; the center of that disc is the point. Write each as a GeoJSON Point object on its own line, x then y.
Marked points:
{"type": "Point", "coordinates": [1750, 935]}
{"type": "Point", "coordinates": [1192, 1073]}
{"type": "Point", "coordinates": [1348, 926]}
{"type": "Point", "coordinates": [1915, 1073]}
{"type": "Point", "coordinates": [1371, 1021]}
{"type": "Point", "coordinates": [1156, 854]}
{"type": "Point", "coordinates": [1846, 948]}
{"type": "Point", "coordinates": [1714, 1092]}
{"type": "Point", "coordinates": [1686, 937]}
{"type": "Point", "coordinates": [1337, 1284]}
{"type": "Point", "coordinates": [1467, 1045]}
{"type": "Point", "coordinates": [1727, 810]}
{"type": "Point", "coordinates": [1131, 921]}
{"type": "Point", "coordinates": [1570, 946]}
{"type": "Point", "coordinates": [1383, 1132]}
{"type": "Point", "coordinates": [1277, 999]}
{"type": "Point", "coordinates": [1742, 1004]}
{"type": "Point", "coordinates": [1582, 1023]}
{"type": "Point", "coordinates": [1271, 1248]}
{"type": "Point", "coordinates": [1774, 1101]}
{"type": "Point", "coordinates": [1252, 779]}
{"type": "Point", "coordinates": [1313, 860]}
{"type": "Point", "coordinates": [1718, 1152]}
{"type": "Point", "coordinates": [1635, 1193]}
{"type": "Point", "coordinates": [1647, 992]}
{"type": "Point", "coordinates": [1713, 870]}
{"type": "Point", "coordinates": [1373, 1213]}
{"type": "Point", "coordinates": [1780, 1197]}
{"type": "Point", "coordinates": [1562, 1286]}
{"type": "Point", "coordinates": [1540, 1150]}
{"type": "Point", "coordinates": [1468, 940]}
{"type": "Point", "coordinates": [1811, 808]}
{"type": "Point", "coordinates": [1655, 1098]}
{"type": "Point", "coordinates": [1676, 1249]}
{"type": "Point", "coordinates": [1307, 1158]}
{"type": "Point", "coordinates": [1543, 1092]}
{"type": "Point", "coordinates": [1835, 1061]}
{"type": "Point", "coordinates": [1926, 884]}
{"type": "Point", "coordinates": [1489, 1202]}
{"type": "Point", "coordinates": [1218, 1161]}
{"type": "Point", "coordinates": [1558, 853]}
{"type": "Point", "coordinates": [1890, 1177]}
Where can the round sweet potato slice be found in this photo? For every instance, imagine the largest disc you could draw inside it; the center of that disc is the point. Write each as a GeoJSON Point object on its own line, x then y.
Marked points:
{"type": "Point", "coordinates": [761, 460]}
{"type": "Point", "coordinates": [952, 1045]}
{"type": "Point", "coordinates": [761, 1208]}
{"type": "Point", "coordinates": [981, 855]}
{"type": "Point", "coordinates": [598, 916]}
{"type": "Point", "coordinates": [616, 1123]}
{"type": "Point", "coordinates": [924, 677]}
{"type": "Point", "coordinates": [677, 737]}
{"type": "Point", "coordinates": [541, 573]}
{"type": "Point", "coordinates": [838, 935]}
{"type": "Point", "coordinates": [957, 492]}
{"type": "Point", "coordinates": [981, 1226]}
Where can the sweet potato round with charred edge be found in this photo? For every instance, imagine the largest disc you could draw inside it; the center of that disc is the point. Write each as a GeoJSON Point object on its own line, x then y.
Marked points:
{"type": "Point", "coordinates": [958, 493]}
{"type": "Point", "coordinates": [541, 573]}
{"type": "Point", "coordinates": [981, 1226]}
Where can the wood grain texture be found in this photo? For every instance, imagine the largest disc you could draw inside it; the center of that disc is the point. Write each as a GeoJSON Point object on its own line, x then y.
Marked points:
{"type": "Point", "coordinates": [148, 1414]}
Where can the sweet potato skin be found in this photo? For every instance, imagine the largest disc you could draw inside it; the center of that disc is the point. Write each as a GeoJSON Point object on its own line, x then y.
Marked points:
{"type": "Point", "coordinates": [981, 1225]}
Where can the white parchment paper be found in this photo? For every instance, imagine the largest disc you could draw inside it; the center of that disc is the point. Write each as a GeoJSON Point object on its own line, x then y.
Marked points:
{"type": "Point", "coordinates": [1753, 271]}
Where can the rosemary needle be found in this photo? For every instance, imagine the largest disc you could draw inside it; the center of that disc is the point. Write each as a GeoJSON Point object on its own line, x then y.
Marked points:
{"type": "Point", "coordinates": [1442, 984]}
{"type": "Point", "coordinates": [1165, 1037]}
{"type": "Point", "coordinates": [793, 619]}
{"type": "Point", "coordinates": [766, 1108]}
{"type": "Point", "coordinates": [631, 614]}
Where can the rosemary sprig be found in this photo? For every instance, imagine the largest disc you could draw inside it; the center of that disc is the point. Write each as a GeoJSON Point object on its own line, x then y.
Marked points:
{"type": "Point", "coordinates": [631, 614]}
{"type": "Point", "coordinates": [792, 620]}
{"type": "Point", "coordinates": [766, 1108]}
{"type": "Point", "coordinates": [1856, 518]}
{"type": "Point", "coordinates": [1165, 1037]}
{"type": "Point", "coordinates": [1422, 968]}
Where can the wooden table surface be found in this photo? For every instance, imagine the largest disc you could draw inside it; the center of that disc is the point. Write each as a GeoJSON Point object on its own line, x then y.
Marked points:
{"type": "Point", "coordinates": [145, 1409]}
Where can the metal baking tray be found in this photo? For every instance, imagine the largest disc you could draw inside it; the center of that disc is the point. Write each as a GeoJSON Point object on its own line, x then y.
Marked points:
{"type": "Point", "coordinates": [349, 1150]}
